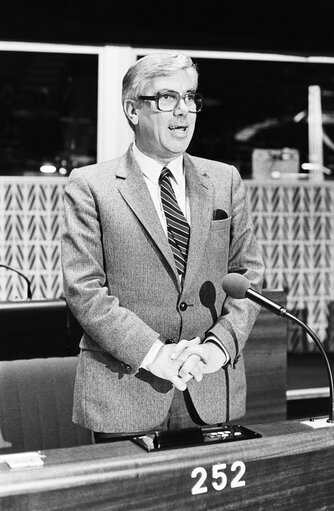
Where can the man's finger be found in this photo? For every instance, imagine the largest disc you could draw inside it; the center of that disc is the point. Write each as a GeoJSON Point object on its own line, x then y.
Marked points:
{"type": "Point", "coordinates": [178, 383]}
{"type": "Point", "coordinates": [197, 373]}
{"type": "Point", "coordinates": [191, 366]}
{"type": "Point", "coordinates": [200, 351]}
{"type": "Point", "coordinates": [182, 345]}
{"type": "Point", "coordinates": [178, 349]}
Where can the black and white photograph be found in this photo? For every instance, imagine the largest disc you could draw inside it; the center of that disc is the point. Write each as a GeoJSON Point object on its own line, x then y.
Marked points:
{"type": "Point", "coordinates": [167, 255]}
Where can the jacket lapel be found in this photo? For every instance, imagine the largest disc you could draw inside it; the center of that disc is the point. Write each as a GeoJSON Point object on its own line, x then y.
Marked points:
{"type": "Point", "coordinates": [135, 192]}
{"type": "Point", "coordinates": [200, 193]}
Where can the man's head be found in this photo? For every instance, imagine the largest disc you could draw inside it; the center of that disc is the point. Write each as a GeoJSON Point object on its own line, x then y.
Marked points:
{"type": "Point", "coordinates": [160, 104]}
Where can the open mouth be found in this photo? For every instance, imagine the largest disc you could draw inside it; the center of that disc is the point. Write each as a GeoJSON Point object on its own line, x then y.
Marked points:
{"type": "Point", "coordinates": [178, 128]}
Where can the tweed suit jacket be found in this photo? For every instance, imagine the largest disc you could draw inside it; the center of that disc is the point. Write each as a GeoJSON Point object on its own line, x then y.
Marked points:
{"type": "Point", "coordinates": [122, 285]}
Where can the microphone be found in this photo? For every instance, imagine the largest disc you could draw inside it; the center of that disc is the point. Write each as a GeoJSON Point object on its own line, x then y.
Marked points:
{"type": "Point", "coordinates": [237, 286]}
{"type": "Point", "coordinates": [29, 293]}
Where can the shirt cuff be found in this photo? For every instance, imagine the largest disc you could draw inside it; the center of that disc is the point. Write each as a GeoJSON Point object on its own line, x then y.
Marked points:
{"type": "Point", "coordinates": [150, 356]}
{"type": "Point", "coordinates": [215, 340]}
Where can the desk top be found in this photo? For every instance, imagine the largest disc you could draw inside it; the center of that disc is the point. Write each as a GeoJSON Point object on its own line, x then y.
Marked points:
{"type": "Point", "coordinates": [123, 476]}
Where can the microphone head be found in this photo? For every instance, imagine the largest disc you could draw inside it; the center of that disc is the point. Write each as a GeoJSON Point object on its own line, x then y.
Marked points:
{"type": "Point", "coordinates": [235, 285]}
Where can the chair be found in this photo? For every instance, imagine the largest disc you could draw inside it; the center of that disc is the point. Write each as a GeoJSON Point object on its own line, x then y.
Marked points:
{"type": "Point", "coordinates": [36, 398]}
{"type": "Point", "coordinates": [38, 329]}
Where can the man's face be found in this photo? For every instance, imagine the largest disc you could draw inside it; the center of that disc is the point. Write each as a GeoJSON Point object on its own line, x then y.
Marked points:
{"type": "Point", "coordinates": [165, 135]}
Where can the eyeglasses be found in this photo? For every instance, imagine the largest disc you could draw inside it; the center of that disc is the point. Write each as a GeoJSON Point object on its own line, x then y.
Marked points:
{"type": "Point", "coordinates": [166, 101]}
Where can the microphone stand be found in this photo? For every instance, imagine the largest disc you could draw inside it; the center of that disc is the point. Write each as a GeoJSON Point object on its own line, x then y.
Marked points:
{"type": "Point", "coordinates": [29, 293]}
{"type": "Point", "coordinates": [237, 286]}
{"type": "Point", "coordinates": [281, 311]}
{"type": "Point", "coordinates": [287, 314]}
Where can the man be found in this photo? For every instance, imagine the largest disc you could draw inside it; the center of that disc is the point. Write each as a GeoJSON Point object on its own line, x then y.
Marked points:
{"type": "Point", "coordinates": [147, 240]}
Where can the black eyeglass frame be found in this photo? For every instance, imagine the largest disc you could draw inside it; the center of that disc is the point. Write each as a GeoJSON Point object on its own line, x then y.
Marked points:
{"type": "Point", "coordinates": [157, 97]}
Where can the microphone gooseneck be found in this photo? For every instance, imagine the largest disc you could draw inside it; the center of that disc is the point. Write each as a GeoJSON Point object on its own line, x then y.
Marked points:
{"type": "Point", "coordinates": [29, 293]}
{"type": "Point", "coordinates": [237, 286]}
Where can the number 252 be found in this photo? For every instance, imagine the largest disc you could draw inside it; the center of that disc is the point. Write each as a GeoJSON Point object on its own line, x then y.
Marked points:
{"type": "Point", "coordinates": [219, 477]}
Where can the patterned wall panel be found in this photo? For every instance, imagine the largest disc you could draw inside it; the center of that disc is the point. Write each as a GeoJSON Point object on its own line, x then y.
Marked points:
{"type": "Point", "coordinates": [295, 227]}
{"type": "Point", "coordinates": [30, 224]}
{"type": "Point", "coordinates": [294, 224]}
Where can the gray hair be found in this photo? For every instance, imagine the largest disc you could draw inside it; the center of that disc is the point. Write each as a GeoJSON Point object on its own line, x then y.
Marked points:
{"type": "Point", "coordinates": [152, 66]}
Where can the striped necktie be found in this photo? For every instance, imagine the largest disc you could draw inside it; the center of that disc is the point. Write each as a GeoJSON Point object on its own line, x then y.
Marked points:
{"type": "Point", "coordinates": [177, 226]}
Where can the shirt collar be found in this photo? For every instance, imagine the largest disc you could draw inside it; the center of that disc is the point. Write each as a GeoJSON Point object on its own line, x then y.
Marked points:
{"type": "Point", "coordinates": [152, 168]}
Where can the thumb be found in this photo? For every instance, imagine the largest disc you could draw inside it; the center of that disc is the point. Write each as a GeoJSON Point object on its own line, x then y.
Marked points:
{"type": "Point", "coordinates": [194, 341]}
{"type": "Point", "coordinates": [182, 345]}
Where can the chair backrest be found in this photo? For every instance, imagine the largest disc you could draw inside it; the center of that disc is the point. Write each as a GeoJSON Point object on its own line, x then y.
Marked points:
{"type": "Point", "coordinates": [36, 398]}
{"type": "Point", "coordinates": [38, 329]}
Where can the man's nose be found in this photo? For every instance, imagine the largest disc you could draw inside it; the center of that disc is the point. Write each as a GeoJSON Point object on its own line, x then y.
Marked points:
{"type": "Point", "coordinates": [181, 107]}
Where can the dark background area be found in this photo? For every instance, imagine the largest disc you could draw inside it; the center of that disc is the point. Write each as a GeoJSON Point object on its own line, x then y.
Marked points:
{"type": "Point", "coordinates": [252, 25]}
{"type": "Point", "coordinates": [48, 102]}
{"type": "Point", "coordinates": [48, 111]}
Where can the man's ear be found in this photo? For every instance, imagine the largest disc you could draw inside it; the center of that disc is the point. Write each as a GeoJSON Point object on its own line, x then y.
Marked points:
{"type": "Point", "coordinates": [131, 110]}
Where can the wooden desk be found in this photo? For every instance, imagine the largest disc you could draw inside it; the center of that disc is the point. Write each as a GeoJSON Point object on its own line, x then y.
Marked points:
{"type": "Point", "coordinates": [291, 467]}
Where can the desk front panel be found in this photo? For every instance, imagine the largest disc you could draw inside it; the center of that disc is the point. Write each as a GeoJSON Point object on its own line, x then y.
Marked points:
{"type": "Point", "coordinates": [291, 467]}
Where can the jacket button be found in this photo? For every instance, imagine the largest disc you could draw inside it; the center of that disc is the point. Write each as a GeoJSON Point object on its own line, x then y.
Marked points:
{"type": "Point", "coordinates": [183, 306]}
{"type": "Point", "coordinates": [127, 368]}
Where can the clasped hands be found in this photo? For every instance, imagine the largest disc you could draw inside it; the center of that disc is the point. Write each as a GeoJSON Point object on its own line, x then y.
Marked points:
{"type": "Point", "coordinates": [180, 362]}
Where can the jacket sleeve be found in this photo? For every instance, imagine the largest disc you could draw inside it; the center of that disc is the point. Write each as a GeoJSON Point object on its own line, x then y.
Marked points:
{"type": "Point", "coordinates": [110, 327]}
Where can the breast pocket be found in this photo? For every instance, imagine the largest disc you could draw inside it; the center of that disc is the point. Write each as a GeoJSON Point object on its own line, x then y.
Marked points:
{"type": "Point", "coordinates": [217, 248]}
{"type": "Point", "coordinates": [220, 224]}
{"type": "Point", "coordinates": [219, 238]}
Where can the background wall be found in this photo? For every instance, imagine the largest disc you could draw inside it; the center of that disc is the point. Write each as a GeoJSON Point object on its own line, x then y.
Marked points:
{"type": "Point", "coordinates": [294, 224]}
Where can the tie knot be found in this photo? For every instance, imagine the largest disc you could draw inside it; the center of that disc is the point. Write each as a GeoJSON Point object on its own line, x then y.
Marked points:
{"type": "Point", "coordinates": [165, 173]}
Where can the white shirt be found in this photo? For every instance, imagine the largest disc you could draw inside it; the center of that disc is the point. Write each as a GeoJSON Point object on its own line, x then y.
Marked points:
{"type": "Point", "coordinates": [151, 170]}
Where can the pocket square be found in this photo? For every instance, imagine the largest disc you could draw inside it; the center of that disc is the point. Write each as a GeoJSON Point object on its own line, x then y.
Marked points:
{"type": "Point", "coordinates": [219, 214]}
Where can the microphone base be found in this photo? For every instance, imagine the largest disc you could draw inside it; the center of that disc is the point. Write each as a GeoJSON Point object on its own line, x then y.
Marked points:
{"type": "Point", "coordinates": [321, 422]}
{"type": "Point", "coordinates": [188, 437]}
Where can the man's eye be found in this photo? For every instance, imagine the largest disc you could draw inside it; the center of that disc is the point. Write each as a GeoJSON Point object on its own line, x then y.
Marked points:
{"type": "Point", "coordinates": [166, 96]}
{"type": "Point", "coordinates": [190, 97]}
